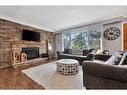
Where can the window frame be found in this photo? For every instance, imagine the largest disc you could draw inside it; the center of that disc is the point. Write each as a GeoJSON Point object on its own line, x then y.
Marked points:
{"type": "Point", "coordinates": [81, 30]}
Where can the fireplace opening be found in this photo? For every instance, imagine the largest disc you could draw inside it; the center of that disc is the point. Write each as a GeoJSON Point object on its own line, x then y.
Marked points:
{"type": "Point", "coordinates": [31, 52]}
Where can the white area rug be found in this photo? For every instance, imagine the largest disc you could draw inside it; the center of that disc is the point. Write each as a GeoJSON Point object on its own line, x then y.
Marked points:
{"type": "Point", "coordinates": [47, 76]}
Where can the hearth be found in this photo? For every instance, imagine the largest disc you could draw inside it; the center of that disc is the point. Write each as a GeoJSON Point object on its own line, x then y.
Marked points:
{"type": "Point", "coordinates": [32, 52]}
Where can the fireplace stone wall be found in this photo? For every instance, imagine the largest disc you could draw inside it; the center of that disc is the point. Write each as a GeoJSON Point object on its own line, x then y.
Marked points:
{"type": "Point", "coordinates": [11, 38]}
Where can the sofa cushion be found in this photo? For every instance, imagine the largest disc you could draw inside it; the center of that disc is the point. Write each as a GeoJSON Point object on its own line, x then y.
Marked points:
{"type": "Point", "coordinates": [69, 55]}
{"type": "Point", "coordinates": [94, 61]}
{"type": "Point", "coordinates": [76, 57]}
{"type": "Point", "coordinates": [99, 61]}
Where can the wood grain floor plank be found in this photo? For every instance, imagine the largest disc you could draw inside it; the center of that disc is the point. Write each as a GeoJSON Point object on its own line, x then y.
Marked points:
{"type": "Point", "coordinates": [13, 78]}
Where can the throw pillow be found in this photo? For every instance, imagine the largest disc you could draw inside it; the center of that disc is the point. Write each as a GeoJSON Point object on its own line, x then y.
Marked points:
{"type": "Point", "coordinates": [73, 51]}
{"type": "Point", "coordinates": [67, 51]}
{"type": "Point", "coordinates": [90, 50]}
{"type": "Point", "coordinates": [114, 59]}
{"type": "Point", "coordinates": [123, 58]}
{"type": "Point", "coordinates": [85, 52]}
{"type": "Point", "coordinates": [76, 52]}
{"type": "Point", "coordinates": [90, 56]}
{"type": "Point", "coordinates": [117, 59]}
{"type": "Point", "coordinates": [121, 52]}
{"type": "Point", "coordinates": [106, 52]}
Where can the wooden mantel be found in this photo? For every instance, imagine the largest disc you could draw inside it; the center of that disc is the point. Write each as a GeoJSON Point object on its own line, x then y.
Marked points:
{"type": "Point", "coordinates": [20, 44]}
{"type": "Point", "coordinates": [44, 42]}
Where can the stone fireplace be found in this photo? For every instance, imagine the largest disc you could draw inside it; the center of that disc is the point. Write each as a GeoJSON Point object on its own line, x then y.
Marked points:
{"type": "Point", "coordinates": [31, 52]}
{"type": "Point", "coordinates": [12, 46]}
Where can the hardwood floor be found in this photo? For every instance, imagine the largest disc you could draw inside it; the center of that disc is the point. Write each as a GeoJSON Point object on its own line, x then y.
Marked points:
{"type": "Point", "coordinates": [13, 78]}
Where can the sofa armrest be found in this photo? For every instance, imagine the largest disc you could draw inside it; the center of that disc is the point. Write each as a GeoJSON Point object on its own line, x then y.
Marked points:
{"type": "Point", "coordinates": [108, 71]}
{"type": "Point", "coordinates": [103, 57]}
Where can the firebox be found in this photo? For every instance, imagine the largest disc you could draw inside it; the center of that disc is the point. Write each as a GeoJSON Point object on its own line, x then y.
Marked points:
{"type": "Point", "coordinates": [32, 52]}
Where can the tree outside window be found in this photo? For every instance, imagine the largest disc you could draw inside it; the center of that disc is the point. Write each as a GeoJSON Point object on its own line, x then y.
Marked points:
{"type": "Point", "coordinates": [90, 38]}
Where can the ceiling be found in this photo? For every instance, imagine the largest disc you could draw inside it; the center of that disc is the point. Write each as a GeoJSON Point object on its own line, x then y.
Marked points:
{"type": "Point", "coordinates": [54, 18]}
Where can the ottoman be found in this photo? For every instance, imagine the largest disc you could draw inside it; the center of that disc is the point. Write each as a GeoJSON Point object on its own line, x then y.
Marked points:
{"type": "Point", "coordinates": [67, 66]}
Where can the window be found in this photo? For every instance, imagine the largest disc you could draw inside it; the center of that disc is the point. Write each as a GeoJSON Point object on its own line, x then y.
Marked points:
{"type": "Point", "coordinates": [83, 38]}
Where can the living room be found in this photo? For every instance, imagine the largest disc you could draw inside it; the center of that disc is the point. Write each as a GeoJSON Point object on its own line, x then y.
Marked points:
{"type": "Point", "coordinates": [63, 47]}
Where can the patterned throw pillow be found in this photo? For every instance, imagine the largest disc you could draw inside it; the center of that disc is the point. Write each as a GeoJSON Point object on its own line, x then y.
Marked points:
{"type": "Point", "coordinates": [76, 52]}
{"type": "Point", "coordinates": [114, 59]}
{"type": "Point", "coordinates": [117, 59]}
{"type": "Point", "coordinates": [123, 58]}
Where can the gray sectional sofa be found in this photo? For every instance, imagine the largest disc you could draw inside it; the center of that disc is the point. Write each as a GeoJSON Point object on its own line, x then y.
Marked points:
{"type": "Point", "coordinates": [86, 55]}
{"type": "Point", "coordinates": [97, 75]}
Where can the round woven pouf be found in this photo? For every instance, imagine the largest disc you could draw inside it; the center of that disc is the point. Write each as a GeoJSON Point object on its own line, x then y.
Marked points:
{"type": "Point", "coordinates": [67, 66]}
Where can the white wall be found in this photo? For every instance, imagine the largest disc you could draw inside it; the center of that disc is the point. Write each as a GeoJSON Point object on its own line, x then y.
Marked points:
{"type": "Point", "coordinates": [112, 45]}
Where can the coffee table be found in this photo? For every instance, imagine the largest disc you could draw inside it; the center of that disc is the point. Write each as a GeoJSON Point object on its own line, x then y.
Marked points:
{"type": "Point", "coordinates": [67, 66]}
